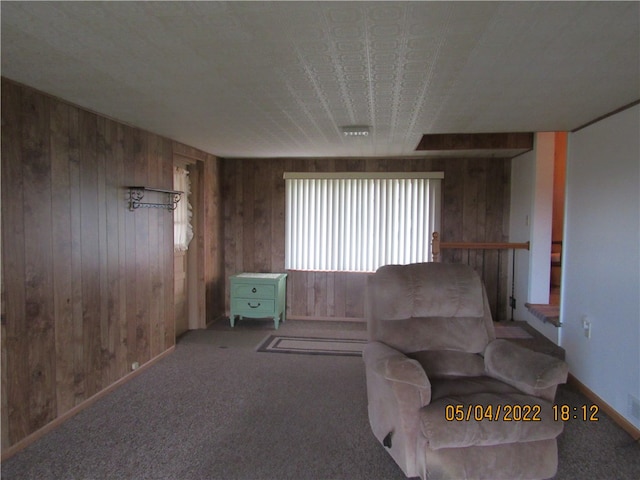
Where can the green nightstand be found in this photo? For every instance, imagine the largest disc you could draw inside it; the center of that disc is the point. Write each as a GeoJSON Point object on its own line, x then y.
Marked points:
{"type": "Point", "coordinates": [258, 295]}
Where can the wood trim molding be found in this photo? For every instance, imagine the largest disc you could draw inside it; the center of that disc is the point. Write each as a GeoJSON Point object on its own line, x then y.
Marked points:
{"type": "Point", "coordinates": [476, 141]}
{"type": "Point", "coordinates": [484, 245]}
{"type": "Point", "coordinates": [28, 440]}
{"type": "Point", "coordinates": [190, 153]}
{"type": "Point", "coordinates": [361, 175]}
{"type": "Point", "coordinates": [606, 408]}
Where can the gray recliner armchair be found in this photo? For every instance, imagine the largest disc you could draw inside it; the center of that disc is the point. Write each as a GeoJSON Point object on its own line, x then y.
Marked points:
{"type": "Point", "coordinates": [445, 397]}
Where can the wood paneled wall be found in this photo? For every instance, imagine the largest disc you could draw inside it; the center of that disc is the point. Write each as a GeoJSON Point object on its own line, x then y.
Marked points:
{"type": "Point", "coordinates": [475, 209]}
{"type": "Point", "coordinates": [87, 285]}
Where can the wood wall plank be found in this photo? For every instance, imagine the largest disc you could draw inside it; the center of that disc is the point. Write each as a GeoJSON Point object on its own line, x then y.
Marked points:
{"type": "Point", "coordinates": [339, 299]}
{"type": "Point", "coordinates": [75, 199]}
{"type": "Point", "coordinates": [129, 253]}
{"type": "Point", "coordinates": [103, 360]}
{"type": "Point", "coordinates": [38, 259]}
{"type": "Point", "coordinates": [278, 194]}
{"type": "Point", "coordinates": [165, 232]}
{"type": "Point", "coordinates": [13, 268]}
{"type": "Point", "coordinates": [296, 293]}
{"type": "Point", "coordinates": [62, 254]}
{"type": "Point", "coordinates": [143, 255]}
{"type": "Point", "coordinates": [197, 261]}
{"type": "Point", "coordinates": [116, 246]}
{"type": "Point", "coordinates": [452, 206]}
{"type": "Point", "coordinates": [321, 295]}
{"type": "Point", "coordinates": [4, 400]}
{"type": "Point", "coordinates": [166, 181]}
{"type": "Point", "coordinates": [248, 217]}
{"type": "Point", "coordinates": [156, 218]}
{"type": "Point", "coordinates": [90, 248]}
{"type": "Point", "coordinates": [354, 301]}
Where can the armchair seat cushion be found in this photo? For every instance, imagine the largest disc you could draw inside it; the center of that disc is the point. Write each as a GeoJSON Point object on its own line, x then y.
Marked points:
{"type": "Point", "coordinates": [484, 419]}
{"type": "Point", "coordinates": [449, 363]}
{"type": "Point", "coordinates": [464, 386]}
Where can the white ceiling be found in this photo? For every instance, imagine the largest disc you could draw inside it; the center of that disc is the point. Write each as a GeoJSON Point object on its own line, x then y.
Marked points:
{"type": "Point", "coordinates": [273, 79]}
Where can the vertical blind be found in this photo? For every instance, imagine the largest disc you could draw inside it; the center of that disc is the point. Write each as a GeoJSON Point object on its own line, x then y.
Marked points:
{"type": "Point", "coordinates": [359, 222]}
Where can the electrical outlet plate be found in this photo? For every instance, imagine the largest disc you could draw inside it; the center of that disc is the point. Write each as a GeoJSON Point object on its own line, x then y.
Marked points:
{"type": "Point", "coordinates": [135, 365]}
{"type": "Point", "coordinates": [586, 326]}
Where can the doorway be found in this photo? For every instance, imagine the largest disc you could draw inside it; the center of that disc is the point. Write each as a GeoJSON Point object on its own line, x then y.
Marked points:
{"type": "Point", "coordinates": [189, 308]}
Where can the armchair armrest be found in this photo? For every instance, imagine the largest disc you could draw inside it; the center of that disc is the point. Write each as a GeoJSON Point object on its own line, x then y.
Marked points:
{"type": "Point", "coordinates": [395, 366]}
{"type": "Point", "coordinates": [531, 372]}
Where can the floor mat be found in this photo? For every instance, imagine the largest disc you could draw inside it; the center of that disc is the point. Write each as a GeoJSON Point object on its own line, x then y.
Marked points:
{"type": "Point", "coordinates": [312, 346]}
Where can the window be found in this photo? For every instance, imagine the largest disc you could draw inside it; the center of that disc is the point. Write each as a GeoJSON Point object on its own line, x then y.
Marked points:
{"type": "Point", "coordinates": [360, 221]}
{"type": "Point", "coordinates": [182, 229]}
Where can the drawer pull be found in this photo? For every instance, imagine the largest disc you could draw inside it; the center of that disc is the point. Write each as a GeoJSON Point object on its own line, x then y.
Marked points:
{"type": "Point", "coordinates": [253, 290]}
{"type": "Point", "coordinates": [253, 306]}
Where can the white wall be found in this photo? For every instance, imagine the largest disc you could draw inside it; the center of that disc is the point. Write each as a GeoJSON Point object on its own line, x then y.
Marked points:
{"type": "Point", "coordinates": [601, 264]}
{"type": "Point", "coordinates": [542, 218]}
{"type": "Point", "coordinates": [522, 174]}
{"type": "Point", "coordinates": [530, 219]}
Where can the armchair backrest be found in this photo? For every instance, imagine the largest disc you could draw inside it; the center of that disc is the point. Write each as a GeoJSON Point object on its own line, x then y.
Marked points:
{"type": "Point", "coordinates": [428, 306]}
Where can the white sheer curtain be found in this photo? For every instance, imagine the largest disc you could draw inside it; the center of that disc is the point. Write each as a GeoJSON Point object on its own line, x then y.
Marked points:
{"type": "Point", "coordinates": [359, 222]}
{"type": "Point", "coordinates": [182, 229]}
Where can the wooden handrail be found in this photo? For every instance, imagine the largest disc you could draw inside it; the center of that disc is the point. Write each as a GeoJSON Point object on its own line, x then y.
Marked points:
{"type": "Point", "coordinates": [484, 246]}
{"type": "Point", "coordinates": [437, 245]}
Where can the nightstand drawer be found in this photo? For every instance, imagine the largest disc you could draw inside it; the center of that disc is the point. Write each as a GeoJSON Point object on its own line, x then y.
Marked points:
{"type": "Point", "coordinates": [252, 307]}
{"type": "Point", "coordinates": [254, 291]}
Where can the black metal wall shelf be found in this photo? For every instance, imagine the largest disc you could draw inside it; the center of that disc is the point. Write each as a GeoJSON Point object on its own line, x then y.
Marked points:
{"type": "Point", "coordinates": [136, 194]}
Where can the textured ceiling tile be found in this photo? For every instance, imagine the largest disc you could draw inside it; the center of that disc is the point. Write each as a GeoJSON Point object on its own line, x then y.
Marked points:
{"type": "Point", "coordinates": [345, 32]}
{"type": "Point", "coordinates": [385, 31]}
{"type": "Point", "coordinates": [349, 46]}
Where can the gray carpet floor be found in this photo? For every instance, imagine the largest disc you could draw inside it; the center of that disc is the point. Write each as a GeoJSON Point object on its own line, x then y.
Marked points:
{"type": "Point", "coordinates": [228, 412]}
